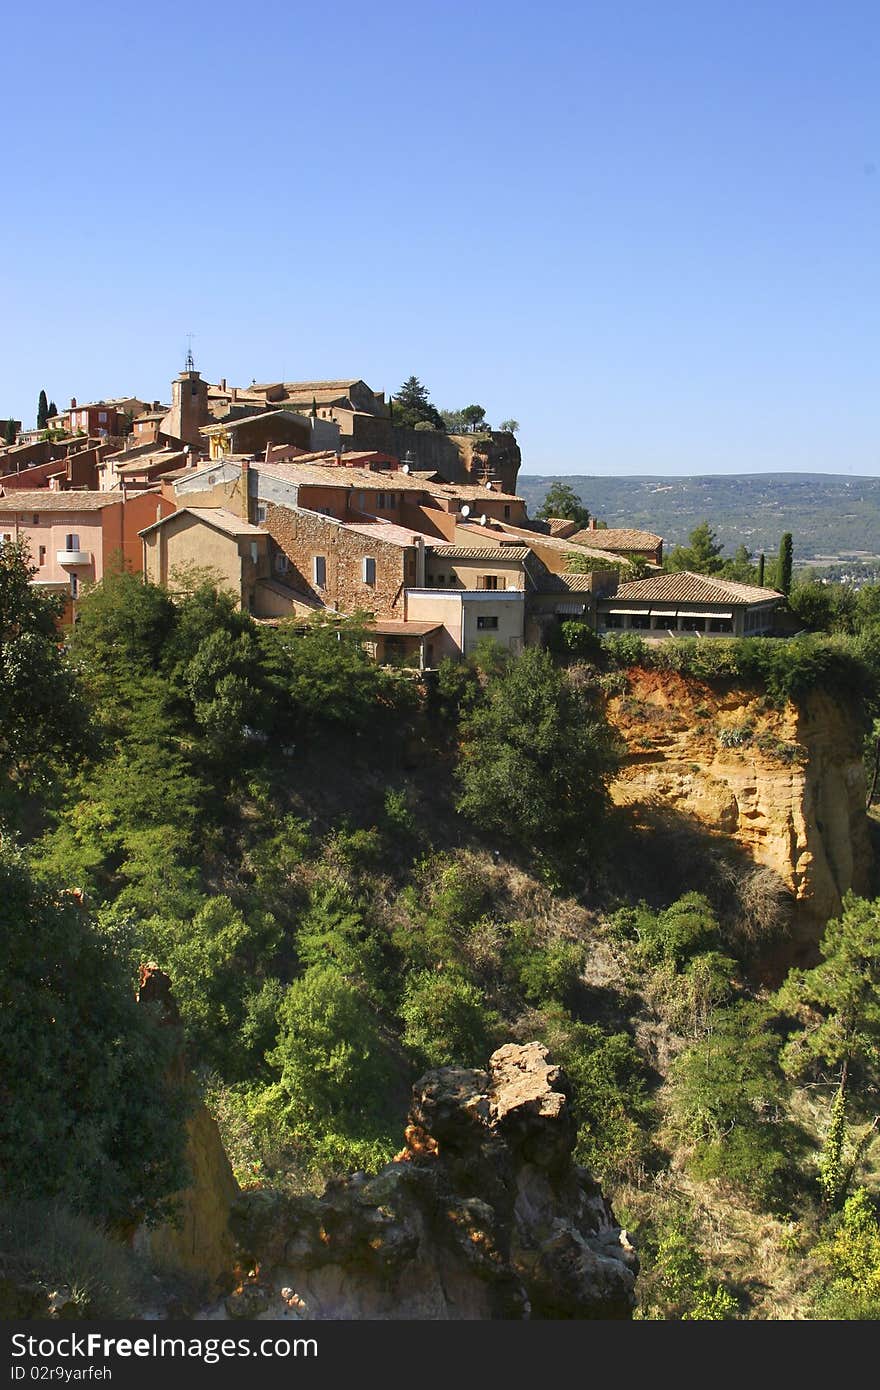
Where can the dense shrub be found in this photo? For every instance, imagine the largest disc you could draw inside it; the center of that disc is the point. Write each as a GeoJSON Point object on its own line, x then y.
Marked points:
{"type": "Point", "coordinates": [88, 1113]}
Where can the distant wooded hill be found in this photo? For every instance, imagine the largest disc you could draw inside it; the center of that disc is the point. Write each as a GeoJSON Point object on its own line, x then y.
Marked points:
{"type": "Point", "coordinates": [828, 515]}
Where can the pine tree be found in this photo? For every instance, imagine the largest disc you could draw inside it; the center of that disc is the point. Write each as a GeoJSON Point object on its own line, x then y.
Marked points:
{"type": "Point", "coordinates": [412, 405]}
{"type": "Point", "coordinates": [42, 411]}
{"type": "Point", "coordinates": [702, 554]}
{"type": "Point", "coordinates": [786, 552]}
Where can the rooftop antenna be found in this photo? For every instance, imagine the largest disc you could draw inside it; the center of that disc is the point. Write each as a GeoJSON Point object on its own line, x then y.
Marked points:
{"type": "Point", "coordinates": [189, 365]}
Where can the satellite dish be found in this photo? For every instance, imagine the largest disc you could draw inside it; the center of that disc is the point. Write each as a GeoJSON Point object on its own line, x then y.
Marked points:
{"type": "Point", "coordinates": [488, 487]}
{"type": "Point", "coordinates": [483, 519]}
{"type": "Point", "coordinates": [405, 468]}
{"type": "Point", "coordinates": [465, 511]}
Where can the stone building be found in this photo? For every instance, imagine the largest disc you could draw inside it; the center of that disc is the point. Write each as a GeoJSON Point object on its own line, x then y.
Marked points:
{"type": "Point", "coordinates": [73, 537]}
{"type": "Point", "coordinates": [702, 605]}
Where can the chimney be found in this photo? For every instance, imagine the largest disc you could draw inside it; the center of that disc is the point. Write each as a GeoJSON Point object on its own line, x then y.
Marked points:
{"type": "Point", "coordinates": [245, 490]}
{"type": "Point", "coordinates": [235, 393]}
{"type": "Point", "coordinates": [73, 402]}
{"type": "Point", "coordinates": [223, 383]}
{"type": "Point", "coordinates": [591, 525]}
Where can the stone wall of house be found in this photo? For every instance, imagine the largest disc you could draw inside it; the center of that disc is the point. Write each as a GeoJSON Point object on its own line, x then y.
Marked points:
{"type": "Point", "coordinates": [303, 535]}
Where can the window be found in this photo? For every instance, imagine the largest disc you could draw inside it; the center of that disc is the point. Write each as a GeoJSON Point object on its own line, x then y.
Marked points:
{"type": "Point", "coordinates": [254, 552]}
{"type": "Point", "coordinates": [6, 537]}
{"type": "Point", "coordinates": [362, 502]}
{"type": "Point", "coordinates": [506, 511]}
{"type": "Point", "coordinates": [102, 417]}
{"type": "Point", "coordinates": [441, 579]}
{"type": "Point", "coordinates": [380, 500]}
{"type": "Point", "coordinates": [262, 512]}
{"type": "Point", "coordinates": [392, 500]}
{"type": "Point", "coordinates": [369, 570]}
{"type": "Point", "coordinates": [487, 581]}
{"type": "Point", "coordinates": [281, 563]}
{"type": "Point", "coordinates": [319, 571]}
{"type": "Point", "coordinates": [36, 520]}
{"type": "Point", "coordinates": [487, 622]}
{"type": "Point", "coordinates": [71, 541]}
{"type": "Point", "coordinates": [74, 586]}
{"type": "Point", "coordinates": [42, 559]}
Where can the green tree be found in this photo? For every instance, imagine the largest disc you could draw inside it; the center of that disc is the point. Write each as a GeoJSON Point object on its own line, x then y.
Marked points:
{"type": "Point", "coordinates": [42, 715]}
{"type": "Point", "coordinates": [88, 1113]}
{"type": "Point", "coordinates": [475, 418]}
{"type": "Point", "coordinates": [412, 405]}
{"type": "Point", "coordinates": [812, 603]}
{"type": "Point", "coordinates": [838, 1005]}
{"type": "Point", "coordinates": [334, 1066]}
{"type": "Point", "coordinates": [535, 762]}
{"type": "Point", "coordinates": [561, 500]}
{"type": "Point", "coordinates": [446, 1019]}
{"type": "Point", "coordinates": [784, 564]}
{"type": "Point", "coordinates": [728, 1102]}
{"type": "Point", "coordinates": [511, 426]}
{"type": "Point", "coordinates": [454, 421]}
{"type": "Point", "coordinates": [53, 410]}
{"type": "Point", "coordinates": [850, 1253]}
{"type": "Point", "coordinates": [9, 432]}
{"type": "Point", "coordinates": [42, 411]}
{"type": "Point", "coordinates": [219, 961]}
{"type": "Point", "coordinates": [740, 568]}
{"type": "Point", "coordinates": [702, 554]}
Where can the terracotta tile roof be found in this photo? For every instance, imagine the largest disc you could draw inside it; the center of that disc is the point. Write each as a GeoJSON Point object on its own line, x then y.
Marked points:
{"type": "Point", "coordinates": [389, 531]}
{"type": "Point", "coordinates": [473, 491]}
{"type": "Point", "coordinates": [617, 538]}
{"type": "Point", "coordinates": [48, 500]}
{"type": "Point", "coordinates": [401, 627]}
{"type": "Point", "coordinates": [562, 583]}
{"type": "Point", "coordinates": [170, 457]}
{"type": "Point", "coordinates": [492, 554]}
{"type": "Point", "coordinates": [685, 587]}
{"type": "Point", "coordinates": [363, 479]}
{"type": "Point", "coordinates": [306, 385]}
{"type": "Point", "coordinates": [226, 426]}
{"type": "Point", "coordinates": [218, 517]}
{"type": "Point", "coordinates": [538, 539]}
{"type": "Point", "coordinates": [561, 526]}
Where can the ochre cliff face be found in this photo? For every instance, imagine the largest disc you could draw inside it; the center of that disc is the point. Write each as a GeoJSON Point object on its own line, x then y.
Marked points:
{"type": "Point", "coordinates": [787, 784]}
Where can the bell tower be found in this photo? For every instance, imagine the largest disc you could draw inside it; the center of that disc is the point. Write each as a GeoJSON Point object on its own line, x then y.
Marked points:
{"type": "Point", "coordinates": [189, 405]}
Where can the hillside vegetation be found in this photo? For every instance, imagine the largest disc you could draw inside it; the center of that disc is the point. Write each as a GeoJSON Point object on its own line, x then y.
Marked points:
{"type": "Point", "coordinates": [350, 877]}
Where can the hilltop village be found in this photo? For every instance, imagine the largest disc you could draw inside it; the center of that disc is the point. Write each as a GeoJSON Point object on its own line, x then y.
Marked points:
{"type": "Point", "coordinates": [391, 881]}
{"type": "Point", "coordinates": [306, 497]}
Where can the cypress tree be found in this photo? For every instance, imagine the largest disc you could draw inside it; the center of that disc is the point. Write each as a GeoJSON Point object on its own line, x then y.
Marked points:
{"type": "Point", "coordinates": [42, 411]}
{"type": "Point", "coordinates": [761, 570]}
{"type": "Point", "coordinates": [53, 409]}
{"type": "Point", "coordinates": [9, 432]}
{"type": "Point", "coordinates": [786, 553]}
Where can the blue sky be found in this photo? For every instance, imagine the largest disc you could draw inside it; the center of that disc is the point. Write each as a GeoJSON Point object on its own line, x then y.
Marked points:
{"type": "Point", "coordinates": [648, 231]}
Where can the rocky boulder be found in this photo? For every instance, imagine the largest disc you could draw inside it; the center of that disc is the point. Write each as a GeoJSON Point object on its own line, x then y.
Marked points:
{"type": "Point", "coordinates": [482, 1214]}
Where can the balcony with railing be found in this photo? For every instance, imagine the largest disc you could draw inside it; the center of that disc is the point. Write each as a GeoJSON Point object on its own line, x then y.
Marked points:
{"type": "Point", "coordinates": [72, 558]}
